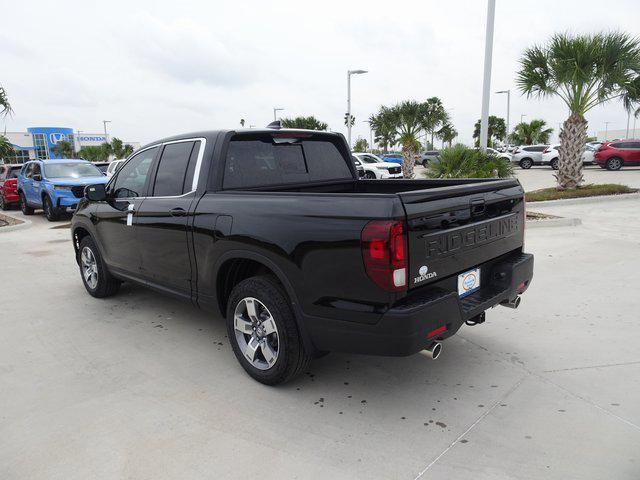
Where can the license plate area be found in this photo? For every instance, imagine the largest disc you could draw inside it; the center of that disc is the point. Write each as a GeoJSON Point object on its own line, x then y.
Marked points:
{"type": "Point", "coordinates": [468, 282]}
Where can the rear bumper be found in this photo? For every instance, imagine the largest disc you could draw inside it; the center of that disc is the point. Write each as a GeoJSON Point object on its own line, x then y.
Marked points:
{"type": "Point", "coordinates": [11, 198]}
{"type": "Point", "coordinates": [403, 329]}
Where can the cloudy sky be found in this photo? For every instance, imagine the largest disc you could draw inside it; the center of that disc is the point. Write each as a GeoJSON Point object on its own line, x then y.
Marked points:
{"type": "Point", "coordinates": [158, 68]}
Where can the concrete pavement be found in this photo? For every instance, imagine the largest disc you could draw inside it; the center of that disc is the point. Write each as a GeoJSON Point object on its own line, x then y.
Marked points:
{"type": "Point", "coordinates": [144, 386]}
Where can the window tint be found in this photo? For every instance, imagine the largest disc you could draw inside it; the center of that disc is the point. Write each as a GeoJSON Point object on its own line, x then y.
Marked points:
{"type": "Point", "coordinates": [27, 169]}
{"type": "Point", "coordinates": [14, 172]}
{"type": "Point", "coordinates": [172, 169]}
{"type": "Point", "coordinates": [267, 160]}
{"type": "Point", "coordinates": [132, 176]}
{"type": "Point", "coordinates": [36, 170]}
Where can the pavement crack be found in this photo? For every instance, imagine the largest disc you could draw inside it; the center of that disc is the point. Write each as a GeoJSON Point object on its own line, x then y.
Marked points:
{"type": "Point", "coordinates": [592, 366]}
{"type": "Point", "coordinates": [472, 426]}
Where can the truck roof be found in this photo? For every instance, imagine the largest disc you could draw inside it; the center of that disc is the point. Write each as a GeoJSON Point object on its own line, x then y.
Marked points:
{"type": "Point", "coordinates": [213, 134]}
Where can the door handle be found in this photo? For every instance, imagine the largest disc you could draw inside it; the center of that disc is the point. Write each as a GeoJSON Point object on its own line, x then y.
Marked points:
{"type": "Point", "coordinates": [178, 212]}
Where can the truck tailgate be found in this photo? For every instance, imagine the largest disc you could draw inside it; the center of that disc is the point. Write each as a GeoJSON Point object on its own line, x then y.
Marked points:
{"type": "Point", "coordinates": [454, 228]}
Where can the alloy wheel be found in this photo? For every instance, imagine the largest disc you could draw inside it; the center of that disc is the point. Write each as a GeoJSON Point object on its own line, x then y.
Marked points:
{"type": "Point", "coordinates": [89, 267]}
{"type": "Point", "coordinates": [256, 333]}
{"type": "Point", "coordinates": [614, 163]}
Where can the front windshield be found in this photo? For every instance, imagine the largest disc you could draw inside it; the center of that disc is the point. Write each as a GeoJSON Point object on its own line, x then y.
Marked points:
{"type": "Point", "coordinates": [71, 170]}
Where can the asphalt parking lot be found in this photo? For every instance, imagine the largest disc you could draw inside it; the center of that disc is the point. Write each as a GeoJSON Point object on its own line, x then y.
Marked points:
{"type": "Point", "coordinates": [144, 386]}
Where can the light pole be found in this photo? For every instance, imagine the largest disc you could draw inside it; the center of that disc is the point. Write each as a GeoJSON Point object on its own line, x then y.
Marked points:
{"type": "Point", "coordinates": [349, 73]}
{"type": "Point", "coordinates": [522, 115]}
{"type": "Point", "coordinates": [628, 118]}
{"type": "Point", "coordinates": [106, 137]}
{"type": "Point", "coordinates": [370, 135]}
{"type": "Point", "coordinates": [606, 130]}
{"type": "Point", "coordinates": [508, 92]}
{"type": "Point", "coordinates": [486, 82]}
{"type": "Point", "coordinates": [275, 110]}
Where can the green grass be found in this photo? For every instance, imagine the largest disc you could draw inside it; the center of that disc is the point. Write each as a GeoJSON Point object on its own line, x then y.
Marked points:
{"type": "Point", "coordinates": [590, 190]}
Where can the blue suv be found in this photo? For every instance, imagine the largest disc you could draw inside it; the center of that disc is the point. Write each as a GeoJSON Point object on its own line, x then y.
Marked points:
{"type": "Point", "coordinates": [55, 185]}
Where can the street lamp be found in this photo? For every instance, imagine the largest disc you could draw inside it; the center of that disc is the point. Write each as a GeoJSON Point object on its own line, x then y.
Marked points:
{"type": "Point", "coordinates": [104, 123]}
{"type": "Point", "coordinates": [508, 92]}
{"type": "Point", "coordinates": [275, 110]}
{"type": "Point", "coordinates": [349, 73]}
{"type": "Point", "coordinates": [370, 134]}
{"type": "Point", "coordinates": [606, 130]}
{"type": "Point", "coordinates": [486, 81]}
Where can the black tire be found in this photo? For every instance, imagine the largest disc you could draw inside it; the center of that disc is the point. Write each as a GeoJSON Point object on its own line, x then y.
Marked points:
{"type": "Point", "coordinates": [526, 163]}
{"type": "Point", "coordinates": [369, 175]}
{"type": "Point", "coordinates": [106, 285]}
{"type": "Point", "coordinates": [51, 212]}
{"type": "Point", "coordinates": [3, 204]}
{"type": "Point", "coordinates": [292, 358]}
{"type": "Point", "coordinates": [26, 209]}
{"type": "Point", "coordinates": [614, 163]}
{"type": "Point", "coordinates": [554, 163]}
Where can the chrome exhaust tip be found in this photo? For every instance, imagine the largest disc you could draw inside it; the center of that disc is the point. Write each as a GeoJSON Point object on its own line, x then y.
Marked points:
{"type": "Point", "coordinates": [514, 303]}
{"type": "Point", "coordinates": [433, 351]}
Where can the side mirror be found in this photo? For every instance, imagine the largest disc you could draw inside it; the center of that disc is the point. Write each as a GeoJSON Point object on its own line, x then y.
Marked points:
{"type": "Point", "coordinates": [37, 177]}
{"type": "Point", "coordinates": [95, 193]}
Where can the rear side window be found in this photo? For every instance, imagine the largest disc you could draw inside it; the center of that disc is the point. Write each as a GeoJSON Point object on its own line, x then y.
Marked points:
{"type": "Point", "coordinates": [14, 172]}
{"type": "Point", "coordinates": [172, 169]}
{"type": "Point", "coordinates": [268, 161]}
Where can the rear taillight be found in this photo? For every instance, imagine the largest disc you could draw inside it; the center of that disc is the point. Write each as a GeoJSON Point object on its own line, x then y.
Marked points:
{"type": "Point", "coordinates": [384, 251]}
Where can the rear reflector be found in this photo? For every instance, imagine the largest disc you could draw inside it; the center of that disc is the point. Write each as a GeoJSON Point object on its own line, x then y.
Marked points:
{"type": "Point", "coordinates": [520, 287]}
{"type": "Point", "coordinates": [437, 331]}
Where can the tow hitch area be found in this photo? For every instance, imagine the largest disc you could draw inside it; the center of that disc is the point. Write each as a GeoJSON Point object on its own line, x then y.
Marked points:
{"type": "Point", "coordinates": [475, 320]}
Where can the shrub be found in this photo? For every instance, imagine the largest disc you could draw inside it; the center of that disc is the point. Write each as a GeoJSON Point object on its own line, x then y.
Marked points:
{"type": "Point", "coordinates": [464, 162]}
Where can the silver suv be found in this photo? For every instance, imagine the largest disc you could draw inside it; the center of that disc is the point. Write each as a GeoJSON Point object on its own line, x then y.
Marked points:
{"type": "Point", "coordinates": [528, 156]}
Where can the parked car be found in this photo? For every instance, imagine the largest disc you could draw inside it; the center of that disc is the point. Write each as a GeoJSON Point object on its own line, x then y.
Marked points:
{"type": "Point", "coordinates": [550, 156]}
{"type": "Point", "coordinates": [102, 166]}
{"type": "Point", "coordinates": [392, 158]}
{"type": "Point", "coordinates": [272, 229]}
{"type": "Point", "coordinates": [359, 166]}
{"type": "Point", "coordinates": [498, 154]}
{"type": "Point", "coordinates": [55, 185]}
{"type": "Point", "coordinates": [428, 156]}
{"type": "Point", "coordinates": [113, 166]}
{"type": "Point", "coordinates": [615, 155]}
{"type": "Point", "coordinates": [528, 156]}
{"type": "Point", "coordinates": [9, 185]}
{"type": "Point", "coordinates": [375, 167]}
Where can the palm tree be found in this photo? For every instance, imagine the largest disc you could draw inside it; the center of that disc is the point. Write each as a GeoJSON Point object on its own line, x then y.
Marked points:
{"type": "Point", "coordinates": [497, 129]}
{"type": "Point", "coordinates": [361, 145]}
{"type": "Point", "coordinates": [384, 130]}
{"type": "Point", "coordinates": [447, 133]}
{"type": "Point", "coordinates": [436, 116]}
{"type": "Point", "coordinates": [6, 148]}
{"type": "Point", "coordinates": [584, 71]}
{"type": "Point", "coordinates": [408, 118]}
{"type": "Point", "coordinates": [529, 133]}
{"type": "Point", "coordinates": [308, 123]}
{"type": "Point", "coordinates": [5, 106]}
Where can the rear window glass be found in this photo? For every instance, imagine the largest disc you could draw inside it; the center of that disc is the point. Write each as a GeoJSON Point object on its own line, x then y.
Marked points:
{"type": "Point", "coordinates": [14, 172]}
{"type": "Point", "coordinates": [264, 161]}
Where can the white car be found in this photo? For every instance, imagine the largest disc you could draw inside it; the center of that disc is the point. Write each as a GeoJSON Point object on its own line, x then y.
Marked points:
{"type": "Point", "coordinates": [113, 166]}
{"type": "Point", "coordinates": [498, 154]}
{"type": "Point", "coordinates": [375, 167]}
{"type": "Point", "coordinates": [551, 154]}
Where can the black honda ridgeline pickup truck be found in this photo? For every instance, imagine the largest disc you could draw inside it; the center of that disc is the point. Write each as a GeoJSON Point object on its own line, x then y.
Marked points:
{"type": "Point", "coordinates": [272, 229]}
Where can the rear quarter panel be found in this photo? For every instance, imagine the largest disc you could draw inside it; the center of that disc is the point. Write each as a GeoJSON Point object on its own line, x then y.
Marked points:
{"type": "Point", "coordinates": [314, 239]}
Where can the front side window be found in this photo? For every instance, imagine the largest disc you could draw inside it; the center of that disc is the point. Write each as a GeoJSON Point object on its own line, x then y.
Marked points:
{"type": "Point", "coordinates": [36, 170]}
{"type": "Point", "coordinates": [71, 170]}
{"type": "Point", "coordinates": [172, 170]}
{"type": "Point", "coordinates": [132, 177]}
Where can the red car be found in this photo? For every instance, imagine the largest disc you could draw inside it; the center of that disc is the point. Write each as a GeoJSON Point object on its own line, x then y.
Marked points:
{"type": "Point", "coordinates": [613, 155]}
{"type": "Point", "coordinates": [8, 185]}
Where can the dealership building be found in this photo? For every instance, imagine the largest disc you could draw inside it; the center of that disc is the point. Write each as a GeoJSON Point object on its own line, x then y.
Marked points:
{"type": "Point", "coordinates": [38, 142]}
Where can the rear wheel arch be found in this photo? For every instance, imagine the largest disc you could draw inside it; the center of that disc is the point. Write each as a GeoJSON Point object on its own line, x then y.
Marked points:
{"type": "Point", "coordinates": [235, 266]}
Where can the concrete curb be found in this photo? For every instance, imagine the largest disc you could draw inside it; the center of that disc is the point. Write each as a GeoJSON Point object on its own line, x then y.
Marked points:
{"type": "Point", "coordinates": [19, 226]}
{"type": "Point", "coordinates": [554, 222]}
{"type": "Point", "coordinates": [578, 201]}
